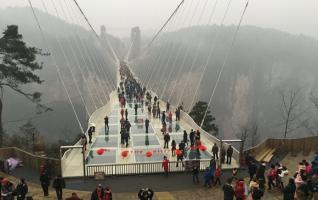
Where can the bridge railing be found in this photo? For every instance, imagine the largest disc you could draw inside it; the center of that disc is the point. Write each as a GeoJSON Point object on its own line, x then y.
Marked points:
{"type": "Point", "coordinates": [138, 168]}
{"type": "Point", "coordinates": [186, 117]}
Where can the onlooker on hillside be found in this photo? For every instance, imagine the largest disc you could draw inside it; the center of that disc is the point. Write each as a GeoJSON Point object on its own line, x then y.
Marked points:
{"type": "Point", "coordinates": [22, 189]}
{"type": "Point", "coordinates": [58, 185]}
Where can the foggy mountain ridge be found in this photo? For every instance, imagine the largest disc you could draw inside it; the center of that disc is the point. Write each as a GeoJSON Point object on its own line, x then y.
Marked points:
{"type": "Point", "coordinates": [262, 62]}
{"type": "Point", "coordinates": [58, 34]}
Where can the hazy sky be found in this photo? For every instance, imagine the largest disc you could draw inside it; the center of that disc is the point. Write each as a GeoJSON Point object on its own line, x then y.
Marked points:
{"type": "Point", "coordinates": [294, 16]}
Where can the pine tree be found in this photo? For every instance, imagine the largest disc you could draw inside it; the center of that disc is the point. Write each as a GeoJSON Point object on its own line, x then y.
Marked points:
{"type": "Point", "coordinates": [197, 114]}
{"type": "Point", "coordinates": [17, 66]}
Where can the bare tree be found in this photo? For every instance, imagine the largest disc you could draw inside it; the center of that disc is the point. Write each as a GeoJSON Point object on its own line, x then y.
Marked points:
{"type": "Point", "coordinates": [254, 134]}
{"type": "Point", "coordinates": [243, 135]}
{"type": "Point", "coordinates": [290, 109]}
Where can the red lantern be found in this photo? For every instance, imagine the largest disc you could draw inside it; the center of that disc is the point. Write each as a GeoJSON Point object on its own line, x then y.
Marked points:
{"type": "Point", "coordinates": [202, 148]}
{"type": "Point", "coordinates": [124, 153]}
{"type": "Point", "coordinates": [149, 154]}
{"type": "Point", "coordinates": [100, 151]}
{"type": "Point", "coordinates": [178, 152]}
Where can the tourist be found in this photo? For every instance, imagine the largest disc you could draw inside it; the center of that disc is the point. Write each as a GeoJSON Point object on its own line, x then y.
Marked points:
{"type": "Point", "coordinates": [107, 194]}
{"type": "Point", "coordinates": [185, 137]}
{"type": "Point", "coordinates": [271, 177]}
{"type": "Point", "coordinates": [234, 172]}
{"type": "Point", "coordinates": [168, 106]}
{"type": "Point", "coordinates": [84, 142]}
{"type": "Point", "coordinates": [170, 117]}
{"type": "Point", "coordinates": [228, 190]}
{"type": "Point", "coordinates": [45, 182]}
{"type": "Point", "coordinates": [122, 113]}
{"type": "Point", "coordinates": [257, 193]}
{"type": "Point", "coordinates": [217, 175]}
{"type": "Point", "coordinates": [215, 151]}
{"type": "Point", "coordinates": [253, 184]}
{"type": "Point", "coordinates": [239, 190]}
{"type": "Point", "coordinates": [191, 137]}
{"type": "Point", "coordinates": [7, 189]}
{"type": "Point", "coordinates": [289, 190]}
{"type": "Point", "coordinates": [106, 123]}
{"type": "Point", "coordinates": [180, 158]}
{"type": "Point", "coordinates": [252, 169]}
{"type": "Point", "coordinates": [195, 174]}
{"type": "Point", "coordinates": [222, 154]}
{"type": "Point", "coordinates": [98, 193]}
{"type": "Point", "coordinates": [21, 189]}
{"type": "Point", "coordinates": [229, 154]}
{"type": "Point", "coordinates": [207, 177]}
{"type": "Point", "coordinates": [166, 140]}
{"type": "Point", "coordinates": [58, 185]}
{"type": "Point", "coordinates": [147, 124]}
{"type": "Point", "coordinates": [163, 117]}
{"type": "Point", "coordinates": [73, 197]}
{"type": "Point", "coordinates": [173, 148]}
{"type": "Point", "coordinates": [145, 194]}
{"type": "Point", "coordinates": [158, 111]}
{"type": "Point", "coordinates": [165, 166]}
{"type": "Point", "coordinates": [90, 134]}
{"type": "Point", "coordinates": [136, 108]}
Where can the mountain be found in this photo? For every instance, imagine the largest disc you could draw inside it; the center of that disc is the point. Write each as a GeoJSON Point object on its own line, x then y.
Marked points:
{"type": "Point", "coordinates": [262, 63]}
{"type": "Point", "coordinates": [79, 54]}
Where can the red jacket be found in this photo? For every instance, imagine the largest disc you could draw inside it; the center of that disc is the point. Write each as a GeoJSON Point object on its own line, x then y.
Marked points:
{"type": "Point", "coordinates": [240, 190]}
{"type": "Point", "coordinates": [165, 164]}
{"type": "Point", "coordinates": [218, 172]}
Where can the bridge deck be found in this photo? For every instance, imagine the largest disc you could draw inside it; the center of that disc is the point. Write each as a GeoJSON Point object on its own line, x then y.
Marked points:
{"type": "Point", "coordinates": [139, 144]}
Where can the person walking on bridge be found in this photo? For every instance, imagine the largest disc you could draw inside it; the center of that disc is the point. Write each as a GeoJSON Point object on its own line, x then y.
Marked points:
{"type": "Point", "coordinates": [229, 154]}
{"type": "Point", "coordinates": [147, 124]}
{"type": "Point", "coordinates": [166, 139]}
{"type": "Point", "coordinates": [215, 151]}
{"type": "Point", "coordinates": [106, 123]}
{"type": "Point", "coordinates": [136, 108]}
{"type": "Point", "coordinates": [168, 106]}
{"type": "Point", "coordinates": [163, 117]}
{"type": "Point", "coordinates": [192, 136]}
{"type": "Point", "coordinates": [126, 114]}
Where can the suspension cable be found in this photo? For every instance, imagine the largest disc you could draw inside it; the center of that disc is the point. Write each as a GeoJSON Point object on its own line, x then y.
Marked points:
{"type": "Point", "coordinates": [56, 66]}
{"type": "Point", "coordinates": [196, 55]}
{"type": "Point", "coordinates": [165, 24]}
{"type": "Point", "coordinates": [211, 52]}
{"type": "Point", "coordinates": [115, 57]}
{"type": "Point", "coordinates": [225, 61]}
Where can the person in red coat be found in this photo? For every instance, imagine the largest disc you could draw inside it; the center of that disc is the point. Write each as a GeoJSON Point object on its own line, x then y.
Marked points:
{"type": "Point", "coordinates": [74, 197]}
{"type": "Point", "coordinates": [240, 190]}
{"type": "Point", "coordinates": [165, 165]}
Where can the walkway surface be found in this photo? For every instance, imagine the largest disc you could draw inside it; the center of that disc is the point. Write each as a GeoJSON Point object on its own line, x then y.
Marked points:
{"type": "Point", "coordinates": [109, 141]}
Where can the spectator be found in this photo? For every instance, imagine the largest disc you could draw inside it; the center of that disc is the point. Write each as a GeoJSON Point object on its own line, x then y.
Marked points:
{"type": "Point", "coordinates": [98, 193]}
{"type": "Point", "coordinates": [229, 154]}
{"type": "Point", "coordinates": [165, 166]}
{"type": "Point", "coordinates": [58, 185]}
{"type": "Point", "coordinates": [257, 193]}
{"type": "Point", "coordinates": [240, 190]}
{"type": "Point", "coordinates": [166, 139]}
{"type": "Point", "coordinates": [289, 190]}
{"type": "Point", "coordinates": [73, 197]}
{"type": "Point", "coordinates": [7, 189]}
{"type": "Point", "coordinates": [207, 177]}
{"type": "Point", "coordinates": [228, 190]}
{"type": "Point", "coordinates": [217, 175]}
{"type": "Point", "coordinates": [145, 194]}
{"type": "Point", "coordinates": [22, 189]}
{"type": "Point", "coordinates": [173, 148]}
{"type": "Point", "coordinates": [215, 151]}
{"type": "Point", "coordinates": [45, 183]}
{"type": "Point", "coordinates": [107, 194]}
{"type": "Point", "coordinates": [195, 174]}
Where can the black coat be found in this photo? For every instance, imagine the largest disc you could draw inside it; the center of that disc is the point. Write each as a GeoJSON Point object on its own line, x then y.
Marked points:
{"type": "Point", "coordinates": [94, 195]}
{"type": "Point", "coordinates": [289, 191]}
{"type": "Point", "coordinates": [45, 179]}
{"type": "Point", "coordinates": [58, 183]}
{"type": "Point", "coordinates": [228, 192]}
{"type": "Point", "coordinates": [22, 189]}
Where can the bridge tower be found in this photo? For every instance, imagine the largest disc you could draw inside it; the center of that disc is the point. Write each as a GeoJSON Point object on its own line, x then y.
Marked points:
{"type": "Point", "coordinates": [135, 38]}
